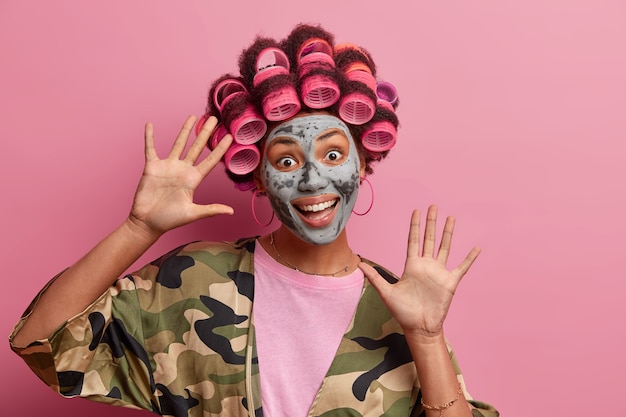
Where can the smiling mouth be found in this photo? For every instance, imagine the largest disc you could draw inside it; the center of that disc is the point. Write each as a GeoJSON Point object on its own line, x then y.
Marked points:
{"type": "Point", "coordinates": [314, 208]}
{"type": "Point", "coordinates": [317, 214]}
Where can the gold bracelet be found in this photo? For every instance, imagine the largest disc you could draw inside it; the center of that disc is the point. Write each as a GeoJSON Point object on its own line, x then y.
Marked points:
{"type": "Point", "coordinates": [441, 408]}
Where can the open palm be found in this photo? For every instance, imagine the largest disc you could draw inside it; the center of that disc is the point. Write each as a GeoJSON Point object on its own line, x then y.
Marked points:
{"type": "Point", "coordinates": [164, 196]}
{"type": "Point", "coordinates": [420, 300]}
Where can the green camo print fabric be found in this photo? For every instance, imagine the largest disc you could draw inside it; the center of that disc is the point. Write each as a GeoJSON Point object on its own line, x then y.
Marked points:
{"type": "Point", "coordinates": [177, 338]}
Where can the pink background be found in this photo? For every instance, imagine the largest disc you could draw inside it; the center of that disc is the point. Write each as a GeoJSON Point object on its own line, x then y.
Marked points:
{"type": "Point", "coordinates": [512, 119]}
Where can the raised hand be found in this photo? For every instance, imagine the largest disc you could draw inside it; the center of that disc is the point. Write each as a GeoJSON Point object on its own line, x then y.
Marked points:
{"type": "Point", "coordinates": [164, 196]}
{"type": "Point", "coordinates": [420, 300]}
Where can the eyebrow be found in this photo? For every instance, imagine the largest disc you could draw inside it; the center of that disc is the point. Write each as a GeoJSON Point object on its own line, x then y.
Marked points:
{"type": "Point", "coordinates": [288, 140]}
{"type": "Point", "coordinates": [283, 140]}
{"type": "Point", "coordinates": [329, 134]}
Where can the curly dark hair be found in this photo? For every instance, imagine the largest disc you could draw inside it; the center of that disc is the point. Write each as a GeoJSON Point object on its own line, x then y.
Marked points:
{"type": "Point", "coordinates": [303, 40]}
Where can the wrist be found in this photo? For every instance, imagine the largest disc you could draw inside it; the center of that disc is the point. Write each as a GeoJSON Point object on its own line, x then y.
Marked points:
{"type": "Point", "coordinates": [140, 230]}
{"type": "Point", "coordinates": [420, 338]}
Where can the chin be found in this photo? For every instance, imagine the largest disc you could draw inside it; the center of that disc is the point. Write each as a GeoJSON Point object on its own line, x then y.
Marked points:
{"type": "Point", "coordinates": [322, 236]}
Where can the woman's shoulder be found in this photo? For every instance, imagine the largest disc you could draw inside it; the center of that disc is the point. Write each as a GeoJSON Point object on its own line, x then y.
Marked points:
{"type": "Point", "coordinates": [202, 260]}
{"type": "Point", "coordinates": [201, 248]}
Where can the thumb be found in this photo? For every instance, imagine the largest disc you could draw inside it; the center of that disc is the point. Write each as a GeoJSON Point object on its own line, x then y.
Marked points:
{"type": "Point", "coordinates": [378, 282]}
{"type": "Point", "coordinates": [201, 211]}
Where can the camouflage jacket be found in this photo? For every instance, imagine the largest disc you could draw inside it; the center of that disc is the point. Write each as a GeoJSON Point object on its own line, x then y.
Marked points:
{"type": "Point", "coordinates": [177, 338]}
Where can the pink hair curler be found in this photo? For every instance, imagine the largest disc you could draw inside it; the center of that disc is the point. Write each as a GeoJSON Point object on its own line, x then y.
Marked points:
{"type": "Point", "coordinates": [314, 45]}
{"type": "Point", "coordinates": [218, 134]}
{"type": "Point", "coordinates": [380, 137]}
{"type": "Point", "coordinates": [239, 159]}
{"type": "Point", "coordinates": [356, 107]}
{"type": "Point", "coordinates": [340, 47]}
{"type": "Point", "coordinates": [201, 121]}
{"type": "Point", "coordinates": [282, 102]}
{"type": "Point", "coordinates": [242, 159]}
{"type": "Point", "coordinates": [227, 90]}
{"type": "Point", "coordinates": [318, 91]}
{"type": "Point", "coordinates": [385, 104]}
{"type": "Point", "coordinates": [358, 71]}
{"type": "Point", "coordinates": [271, 57]}
{"type": "Point", "coordinates": [249, 126]}
{"type": "Point", "coordinates": [387, 92]}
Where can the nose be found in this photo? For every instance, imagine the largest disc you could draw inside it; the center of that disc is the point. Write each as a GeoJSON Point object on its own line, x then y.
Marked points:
{"type": "Point", "coordinates": [311, 179]}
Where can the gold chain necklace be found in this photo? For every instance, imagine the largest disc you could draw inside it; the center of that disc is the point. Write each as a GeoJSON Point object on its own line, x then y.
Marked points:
{"type": "Point", "coordinates": [290, 265]}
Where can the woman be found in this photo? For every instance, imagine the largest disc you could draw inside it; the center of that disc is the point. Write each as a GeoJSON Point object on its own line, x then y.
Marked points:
{"type": "Point", "coordinates": [295, 314]}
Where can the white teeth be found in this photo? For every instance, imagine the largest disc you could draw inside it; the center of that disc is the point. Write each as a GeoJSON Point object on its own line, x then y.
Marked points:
{"type": "Point", "coordinates": [318, 207]}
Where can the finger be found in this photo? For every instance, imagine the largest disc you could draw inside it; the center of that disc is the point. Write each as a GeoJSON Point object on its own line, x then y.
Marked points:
{"type": "Point", "coordinates": [413, 245]}
{"type": "Point", "coordinates": [181, 140]}
{"type": "Point", "coordinates": [201, 211]}
{"type": "Point", "coordinates": [378, 282]}
{"type": "Point", "coordinates": [465, 265]}
{"type": "Point", "coordinates": [149, 150]}
{"type": "Point", "coordinates": [430, 232]}
{"type": "Point", "coordinates": [446, 241]}
{"type": "Point", "coordinates": [215, 156]}
{"type": "Point", "coordinates": [198, 145]}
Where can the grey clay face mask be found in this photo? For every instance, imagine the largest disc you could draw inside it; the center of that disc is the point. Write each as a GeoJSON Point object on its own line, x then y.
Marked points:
{"type": "Point", "coordinates": [311, 174]}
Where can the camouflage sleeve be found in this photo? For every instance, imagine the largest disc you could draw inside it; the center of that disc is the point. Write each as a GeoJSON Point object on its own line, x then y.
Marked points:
{"type": "Point", "coordinates": [98, 353]}
{"type": "Point", "coordinates": [171, 338]}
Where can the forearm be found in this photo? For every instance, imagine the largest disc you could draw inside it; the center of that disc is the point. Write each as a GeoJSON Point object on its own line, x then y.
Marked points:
{"type": "Point", "coordinates": [85, 281]}
{"type": "Point", "coordinates": [437, 377]}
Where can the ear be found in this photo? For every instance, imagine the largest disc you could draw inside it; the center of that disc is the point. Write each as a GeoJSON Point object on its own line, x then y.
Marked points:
{"type": "Point", "coordinates": [257, 180]}
{"type": "Point", "coordinates": [362, 165]}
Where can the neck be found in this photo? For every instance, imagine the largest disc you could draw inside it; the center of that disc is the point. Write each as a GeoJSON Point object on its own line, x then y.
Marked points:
{"type": "Point", "coordinates": [331, 259]}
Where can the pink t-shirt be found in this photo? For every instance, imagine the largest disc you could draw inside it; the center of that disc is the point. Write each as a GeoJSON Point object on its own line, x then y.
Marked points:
{"type": "Point", "coordinates": [299, 321]}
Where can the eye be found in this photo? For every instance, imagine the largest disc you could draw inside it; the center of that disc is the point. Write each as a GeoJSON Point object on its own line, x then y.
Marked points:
{"type": "Point", "coordinates": [286, 162]}
{"type": "Point", "coordinates": [333, 155]}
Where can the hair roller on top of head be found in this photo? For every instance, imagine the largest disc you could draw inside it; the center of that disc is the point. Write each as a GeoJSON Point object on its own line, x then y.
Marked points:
{"type": "Point", "coordinates": [298, 37]}
{"type": "Point", "coordinates": [271, 82]}
{"type": "Point", "coordinates": [348, 53]}
{"type": "Point", "coordinates": [311, 49]}
{"type": "Point", "coordinates": [233, 102]}
{"type": "Point", "coordinates": [318, 88]}
{"type": "Point", "coordinates": [358, 104]}
{"type": "Point", "coordinates": [282, 101]}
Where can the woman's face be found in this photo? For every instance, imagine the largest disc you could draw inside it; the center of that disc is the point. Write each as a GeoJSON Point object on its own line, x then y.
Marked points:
{"type": "Point", "coordinates": [311, 172]}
